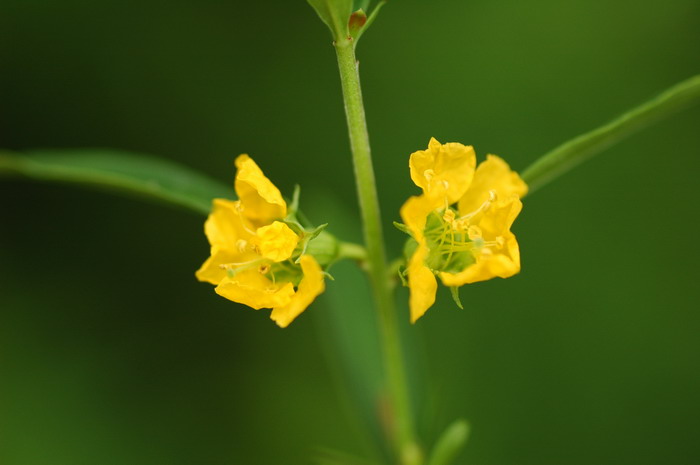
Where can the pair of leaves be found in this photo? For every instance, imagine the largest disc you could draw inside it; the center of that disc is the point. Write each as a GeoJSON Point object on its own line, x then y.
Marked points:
{"type": "Point", "coordinates": [345, 18]}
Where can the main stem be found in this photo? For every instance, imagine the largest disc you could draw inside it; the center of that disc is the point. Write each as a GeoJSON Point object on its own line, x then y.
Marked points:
{"type": "Point", "coordinates": [403, 429]}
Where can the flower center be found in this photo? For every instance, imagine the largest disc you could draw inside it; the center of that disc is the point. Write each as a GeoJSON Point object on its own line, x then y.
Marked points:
{"type": "Point", "coordinates": [455, 242]}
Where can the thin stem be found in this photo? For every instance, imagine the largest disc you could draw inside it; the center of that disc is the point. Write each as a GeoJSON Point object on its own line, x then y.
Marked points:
{"type": "Point", "coordinates": [563, 158]}
{"type": "Point", "coordinates": [403, 429]}
{"type": "Point", "coordinates": [352, 251]}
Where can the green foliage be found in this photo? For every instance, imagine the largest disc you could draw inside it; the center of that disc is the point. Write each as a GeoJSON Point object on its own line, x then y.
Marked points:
{"type": "Point", "coordinates": [366, 21]}
{"type": "Point", "coordinates": [575, 151]}
{"type": "Point", "coordinates": [122, 171]}
{"type": "Point", "coordinates": [335, 13]}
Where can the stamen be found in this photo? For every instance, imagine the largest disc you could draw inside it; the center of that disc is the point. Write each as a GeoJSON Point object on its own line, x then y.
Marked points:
{"type": "Point", "coordinates": [232, 265]}
{"type": "Point", "coordinates": [241, 244]}
{"type": "Point", "coordinates": [449, 215]}
{"type": "Point", "coordinates": [484, 206]}
{"type": "Point", "coordinates": [474, 232]}
{"type": "Point", "coordinates": [236, 267]}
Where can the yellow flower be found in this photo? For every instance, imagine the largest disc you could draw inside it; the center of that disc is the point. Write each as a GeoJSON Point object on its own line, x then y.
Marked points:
{"type": "Point", "coordinates": [466, 244]}
{"type": "Point", "coordinates": [257, 256]}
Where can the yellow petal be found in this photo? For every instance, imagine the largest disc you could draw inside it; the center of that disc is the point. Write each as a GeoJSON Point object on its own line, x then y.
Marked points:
{"type": "Point", "coordinates": [502, 264]}
{"type": "Point", "coordinates": [421, 283]}
{"type": "Point", "coordinates": [421, 280]}
{"type": "Point", "coordinates": [500, 256]}
{"type": "Point", "coordinates": [310, 287]}
{"type": "Point", "coordinates": [255, 290]}
{"type": "Point", "coordinates": [261, 201]}
{"type": "Point", "coordinates": [497, 220]}
{"type": "Point", "coordinates": [276, 241]}
{"type": "Point", "coordinates": [210, 271]}
{"type": "Point", "coordinates": [225, 227]}
{"type": "Point", "coordinates": [495, 175]}
{"type": "Point", "coordinates": [446, 167]}
{"type": "Point", "coordinates": [414, 213]}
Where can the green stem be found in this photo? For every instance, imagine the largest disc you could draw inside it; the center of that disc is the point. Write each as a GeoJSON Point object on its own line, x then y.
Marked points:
{"type": "Point", "coordinates": [352, 251]}
{"type": "Point", "coordinates": [403, 435]}
{"type": "Point", "coordinates": [563, 158]}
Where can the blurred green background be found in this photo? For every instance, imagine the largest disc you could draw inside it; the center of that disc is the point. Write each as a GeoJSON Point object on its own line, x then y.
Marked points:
{"type": "Point", "coordinates": [112, 353]}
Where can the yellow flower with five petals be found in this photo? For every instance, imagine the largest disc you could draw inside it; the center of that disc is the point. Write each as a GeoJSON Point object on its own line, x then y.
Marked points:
{"type": "Point", "coordinates": [465, 243]}
{"type": "Point", "coordinates": [257, 258]}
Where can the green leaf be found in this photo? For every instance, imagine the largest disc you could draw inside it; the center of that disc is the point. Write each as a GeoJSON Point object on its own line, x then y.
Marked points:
{"type": "Point", "coordinates": [368, 22]}
{"type": "Point", "coordinates": [120, 171]}
{"type": "Point", "coordinates": [454, 290]}
{"type": "Point", "coordinates": [335, 13]}
{"type": "Point", "coordinates": [450, 443]}
{"type": "Point", "coordinates": [565, 157]}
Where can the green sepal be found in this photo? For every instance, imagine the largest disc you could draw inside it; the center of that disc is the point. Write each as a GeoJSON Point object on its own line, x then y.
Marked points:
{"type": "Point", "coordinates": [307, 237]}
{"type": "Point", "coordinates": [409, 248]}
{"type": "Point", "coordinates": [324, 247]}
{"type": "Point", "coordinates": [335, 13]}
{"type": "Point", "coordinates": [454, 290]}
{"type": "Point", "coordinates": [402, 271]}
{"type": "Point", "coordinates": [453, 263]}
{"type": "Point", "coordinates": [402, 227]}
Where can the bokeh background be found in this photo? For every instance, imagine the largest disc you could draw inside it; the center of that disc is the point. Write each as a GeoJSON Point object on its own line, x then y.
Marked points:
{"type": "Point", "coordinates": [112, 353]}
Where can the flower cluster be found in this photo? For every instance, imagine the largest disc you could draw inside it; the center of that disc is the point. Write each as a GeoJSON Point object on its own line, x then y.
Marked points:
{"type": "Point", "coordinates": [460, 224]}
{"type": "Point", "coordinates": [259, 251]}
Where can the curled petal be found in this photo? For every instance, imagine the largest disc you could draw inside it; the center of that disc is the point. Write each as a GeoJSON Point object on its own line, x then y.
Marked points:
{"type": "Point", "coordinates": [261, 201]}
{"type": "Point", "coordinates": [255, 290]}
{"type": "Point", "coordinates": [276, 241]}
{"type": "Point", "coordinates": [492, 175]}
{"type": "Point", "coordinates": [309, 288]}
{"type": "Point", "coordinates": [449, 167]}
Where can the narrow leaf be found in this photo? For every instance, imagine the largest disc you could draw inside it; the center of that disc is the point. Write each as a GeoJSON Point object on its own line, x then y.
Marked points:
{"type": "Point", "coordinates": [335, 13]}
{"type": "Point", "coordinates": [369, 20]}
{"type": "Point", "coordinates": [565, 157]}
{"type": "Point", "coordinates": [450, 443]}
{"type": "Point", "coordinates": [120, 171]}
